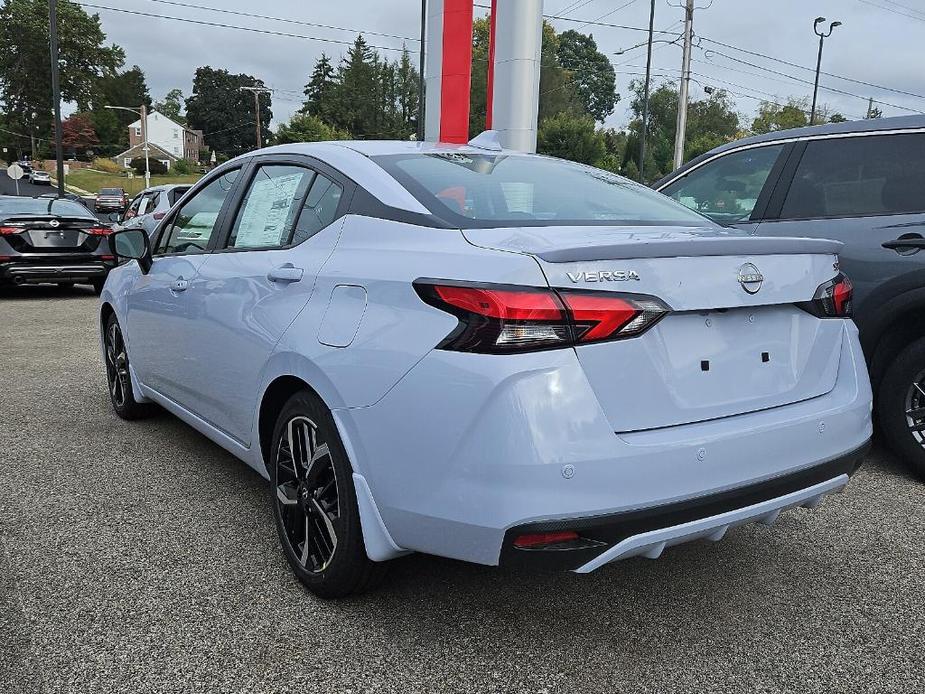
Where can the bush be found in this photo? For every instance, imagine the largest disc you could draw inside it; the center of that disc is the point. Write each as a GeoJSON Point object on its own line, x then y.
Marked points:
{"type": "Point", "coordinates": [306, 128]}
{"type": "Point", "coordinates": [571, 137]}
{"type": "Point", "coordinates": [107, 165]}
{"type": "Point", "coordinates": [154, 166]}
{"type": "Point", "coordinates": [182, 167]}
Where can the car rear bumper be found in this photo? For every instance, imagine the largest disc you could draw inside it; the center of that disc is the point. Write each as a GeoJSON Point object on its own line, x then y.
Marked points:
{"type": "Point", "coordinates": [502, 443]}
{"type": "Point", "coordinates": [103, 205]}
{"type": "Point", "coordinates": [53, 271]}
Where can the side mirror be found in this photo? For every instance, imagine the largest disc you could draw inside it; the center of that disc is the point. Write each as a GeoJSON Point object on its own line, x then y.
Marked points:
{"type": "Point", "coordinates": [113, 217]}
{"type": "Point", "coordinates": [132, 244]}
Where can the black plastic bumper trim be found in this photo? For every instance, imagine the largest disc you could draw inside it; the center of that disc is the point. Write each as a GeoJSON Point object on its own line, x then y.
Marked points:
{"type": "Point", "coordinates": [614, 528]}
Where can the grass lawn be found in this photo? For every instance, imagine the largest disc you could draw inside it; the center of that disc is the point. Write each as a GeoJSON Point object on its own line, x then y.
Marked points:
{"type": "Point", "coordinates": [92, 181]}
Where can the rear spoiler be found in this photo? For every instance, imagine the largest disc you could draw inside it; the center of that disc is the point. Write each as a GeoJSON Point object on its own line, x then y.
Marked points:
{"type": "Point", "coordinates": [692, 247]}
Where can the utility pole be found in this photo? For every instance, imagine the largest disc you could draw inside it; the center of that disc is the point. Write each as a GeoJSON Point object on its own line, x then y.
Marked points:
{"type": "Point", "coordinates": [56, 89]}
{"type": "Point", "coordinates": [645, 98]}
{"type": "Point", "coordinates": [822, 37]}
{"type": "Point", "coordinates": [257, 91]}
{"type": "Point", "coordinates": [680, 130]}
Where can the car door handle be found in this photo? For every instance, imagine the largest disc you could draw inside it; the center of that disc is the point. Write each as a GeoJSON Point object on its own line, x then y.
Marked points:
{"type": "Point", "coordinates": [285, 273]}
{"type": "Point", "coordinates": [905, 244]}
{"type": "Point", "coordinates": [180, 285]}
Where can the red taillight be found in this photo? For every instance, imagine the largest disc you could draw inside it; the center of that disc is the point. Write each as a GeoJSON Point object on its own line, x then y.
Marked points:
{"type": "Point", "coordinates": [496, 319]}
{"type": "Point", "coordinates": [107, 257]}
{"type": "Point", "coordinates": [9, 230]}
{"type": "Point", "coordinates": [833, 299]}
{"type": "Point", "coordinates": [538, 540]}
{"type": "Point", "coordinates": [99, 231]}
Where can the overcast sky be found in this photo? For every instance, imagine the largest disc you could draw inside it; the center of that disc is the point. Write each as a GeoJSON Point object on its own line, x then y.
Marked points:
{"type": "Point", "coordinates": [881, 42]}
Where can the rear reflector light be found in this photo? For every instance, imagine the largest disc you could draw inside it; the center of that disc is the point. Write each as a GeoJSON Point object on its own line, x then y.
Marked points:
{"type": "Point", "coordinates": [505, 319]}
{"type": "Point", "coordinates": [107, 257]}
{"type": "Point", "coordinates": [539, 540]}
{"type": "Point", "coordinates": [4, 258]}
{"type": "Point", "coordinates": [833, 299]}
{"type": "Point", "coordinates": [99, 231]}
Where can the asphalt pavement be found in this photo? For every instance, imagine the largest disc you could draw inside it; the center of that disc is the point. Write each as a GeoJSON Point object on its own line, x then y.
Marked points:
{"type": "Point", "coordinates": [140, 557]}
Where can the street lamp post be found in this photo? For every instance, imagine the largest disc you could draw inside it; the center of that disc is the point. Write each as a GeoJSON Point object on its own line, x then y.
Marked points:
{"type": "Point", "coordinates": [822, 37]}
{"type": "Point", "coordinates": [143, 112]}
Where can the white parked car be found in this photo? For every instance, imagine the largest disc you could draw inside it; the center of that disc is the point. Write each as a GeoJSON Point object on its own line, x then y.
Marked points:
{"type": "Point", "coordinates": [491, 356]}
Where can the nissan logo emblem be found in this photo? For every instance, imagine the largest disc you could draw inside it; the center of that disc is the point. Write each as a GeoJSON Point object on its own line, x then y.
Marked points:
{"type": "Point", "coordinates": [750, 278]}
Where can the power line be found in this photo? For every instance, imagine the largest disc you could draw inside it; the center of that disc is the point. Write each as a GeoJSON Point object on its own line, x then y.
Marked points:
{"type": "Point", "coordinates": [584, 21]}
{"type": "Point", "coordinates": [894, 11]}
{"type": "Point", "coordinates": [809, 69]}
{"type": "Point", "coordinates": [799, 79]}
{"type": "Point", "coordinates": [203, 22]}
{"type": "Point", "coordinates": [287, 20]}
{"type": "Point", "coordinates": [607, 14]}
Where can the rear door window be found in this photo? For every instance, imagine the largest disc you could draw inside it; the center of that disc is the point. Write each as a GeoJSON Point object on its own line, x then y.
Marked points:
{"type": "Point", "coordinates": [858, 176]}
{"type": "Point", "coordinates": [320, 208]}
{"type": "Point", "coordinates": [727, 189]}
{"type": "Point", "coordinates": [268, 214]}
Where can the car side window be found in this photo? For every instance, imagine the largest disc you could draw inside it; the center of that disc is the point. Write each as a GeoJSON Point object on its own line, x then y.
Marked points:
{"type": "Point", "coordinates": [192, 226]}
{"type": "Point", "coordinates": [270, 207]}
{"type": "Point", "coordinates": [319, 210]}
{"type": "Point", "coordinates": [726, 189]}
{"type": "Point", "coordinates": [133, 208]}
{"type": "Point", "coordinates": [858, 176]}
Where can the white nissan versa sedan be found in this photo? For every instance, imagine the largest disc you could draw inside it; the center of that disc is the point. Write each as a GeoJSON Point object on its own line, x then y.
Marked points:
{"type": "Point", "coordinates": [497, 357]}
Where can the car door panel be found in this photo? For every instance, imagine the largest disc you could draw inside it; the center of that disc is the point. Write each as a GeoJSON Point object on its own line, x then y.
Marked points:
{"type": "Point", "coordinates": [248, 298]}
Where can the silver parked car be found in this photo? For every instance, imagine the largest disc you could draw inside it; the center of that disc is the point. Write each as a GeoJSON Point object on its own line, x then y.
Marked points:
{"type": "Point", "coordinates": [497, 357]}
{"type": "Point", "coordinates": [149, 207]}
{"type": "Point", "coordinates": [861, 183]}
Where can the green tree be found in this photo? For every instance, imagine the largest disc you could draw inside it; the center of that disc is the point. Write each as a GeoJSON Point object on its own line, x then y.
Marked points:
{"type": "Point", "coordinates": [773, 116]}
{"type": "Point", "coordinates": [319, 88]}
{"type": "Point", "coordinates": [25, 72]}
{"type": "Point", "coordinates": [172, 106]}
{"type": "Point", "coordinates": [225, 112]}
{"type": "Point", "coordinates": [591, 71]}
{"type": "Point", "coordinates": [837, 118]}
{"type": "Point", "coordinates": [407, 86]}
{"type": "Point", "coordinates": [354, 98]}
{"type": "Point", "coordinates": [571, 137]}
{"type": "Point", "coordinates": [127, 88]}
{"type": "Point", "coordinates": [304, 127]}
{"type": "Point", "coordinates": [710, 123]}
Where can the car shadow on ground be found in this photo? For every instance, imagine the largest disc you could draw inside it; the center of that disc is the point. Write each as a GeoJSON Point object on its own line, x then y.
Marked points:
{"type": "Point", "coordinates": [44, 291]}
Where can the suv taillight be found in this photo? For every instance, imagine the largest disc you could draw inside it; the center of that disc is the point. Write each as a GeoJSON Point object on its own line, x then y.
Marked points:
{"type": "Point", "coordinates": [833, 299]}
{"type": "Point", "coordinates": [498, 319]}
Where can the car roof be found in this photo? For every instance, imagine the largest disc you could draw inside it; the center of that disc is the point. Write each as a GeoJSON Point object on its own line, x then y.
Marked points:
{"type": "Point", "coordinates": [164, 186]}
{"type": "Point", "coordinates": [843, 128]}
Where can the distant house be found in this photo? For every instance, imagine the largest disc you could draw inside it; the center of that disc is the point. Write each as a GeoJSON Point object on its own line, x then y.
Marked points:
{"type": "Point", "coordinates": [172, 138]}
{"type": "Point", "coordinates": [155, 153]}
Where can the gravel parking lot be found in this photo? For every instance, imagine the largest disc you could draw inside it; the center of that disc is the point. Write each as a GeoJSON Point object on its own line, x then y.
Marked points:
{"type": "Point", "coordinates": [140, 557]}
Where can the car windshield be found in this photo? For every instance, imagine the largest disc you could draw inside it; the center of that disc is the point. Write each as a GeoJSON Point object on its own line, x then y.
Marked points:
{"type": "Point", "coordinates": [489, 190]}
{"type": "Point", "coordinates": [65, 208]}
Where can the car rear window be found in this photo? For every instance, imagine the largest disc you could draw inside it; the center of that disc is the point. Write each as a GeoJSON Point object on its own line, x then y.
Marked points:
{"type": "Point", "coordinates": [111, 191]}
{"type": "Point", "coordinates": [65, 208]}
{"type": "Point", "coordinates": [485, 190]}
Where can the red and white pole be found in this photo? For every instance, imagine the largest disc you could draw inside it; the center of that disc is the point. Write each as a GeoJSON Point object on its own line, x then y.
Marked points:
{"type": "Point", "coordinates": [448, 71]}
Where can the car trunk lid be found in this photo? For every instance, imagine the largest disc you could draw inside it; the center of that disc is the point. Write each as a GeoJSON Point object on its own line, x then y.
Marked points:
{"type": "Point", "coordinates": [52, 234]}
{"type": "Point", "coordinates": [734, 341]}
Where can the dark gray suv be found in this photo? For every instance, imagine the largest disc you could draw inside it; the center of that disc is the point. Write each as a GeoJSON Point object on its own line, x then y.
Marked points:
{"type": "Point", "coordinates": [861, 183]}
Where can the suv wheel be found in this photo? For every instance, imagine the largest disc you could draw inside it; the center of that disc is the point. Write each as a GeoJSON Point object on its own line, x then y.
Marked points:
{"type": "Point", "coordinates": [118, 376]}
{"type": "Point", "coordinates": [901, 405]}
{"type": "Point", "coordinates": [314, 502]}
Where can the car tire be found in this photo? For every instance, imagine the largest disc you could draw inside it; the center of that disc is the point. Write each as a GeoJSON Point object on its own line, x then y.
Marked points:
{"type": "Point", "coordinates": [118, 375]}
{"type": "Point", "coordinates": [314, 502]}
{"type": "Point", "coordinates": [901, 405]}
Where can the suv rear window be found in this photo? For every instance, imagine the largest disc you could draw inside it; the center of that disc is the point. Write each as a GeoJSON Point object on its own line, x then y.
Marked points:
{"type": "Point", "coordinates": [472, 190]}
